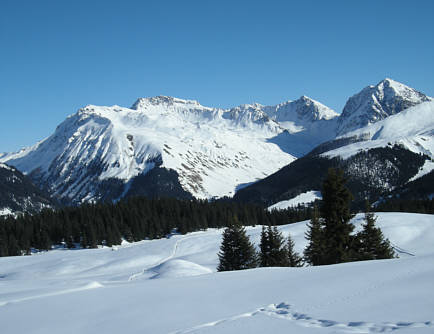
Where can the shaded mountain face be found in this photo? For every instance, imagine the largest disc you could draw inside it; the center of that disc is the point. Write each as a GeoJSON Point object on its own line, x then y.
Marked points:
{"type": "Point", "coordinates": [107, 153]}
{"type": "Point", "coordinates": [19, 194]}
{"type": "Point", "coordinates": [375, 103]}
{"type": "Point", "coordinates": [373, 174]}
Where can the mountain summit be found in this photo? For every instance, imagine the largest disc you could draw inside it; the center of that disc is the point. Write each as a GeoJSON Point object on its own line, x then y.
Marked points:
{"type": "Point", "coordinates": [375, 103]}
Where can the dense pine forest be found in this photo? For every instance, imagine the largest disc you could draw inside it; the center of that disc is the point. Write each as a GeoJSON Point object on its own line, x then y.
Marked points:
{"type": "Point", "coordinates": [407, 205]}
{"type": "Point", "coordinates": [134, 219]}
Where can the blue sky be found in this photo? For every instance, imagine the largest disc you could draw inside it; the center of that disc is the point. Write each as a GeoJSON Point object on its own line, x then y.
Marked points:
{"type": "Point", "coordinates": [57, 56]}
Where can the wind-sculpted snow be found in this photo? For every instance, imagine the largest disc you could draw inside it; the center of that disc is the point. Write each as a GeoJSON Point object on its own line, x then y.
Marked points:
{"type": "Point", "coordinates": [170, 286]}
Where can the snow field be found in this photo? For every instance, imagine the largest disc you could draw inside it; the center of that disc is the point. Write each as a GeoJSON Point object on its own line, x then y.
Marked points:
{"type": "Point", "coordinates": [302, 199]}
{"type": "Point", "coordinates": [170, 286]}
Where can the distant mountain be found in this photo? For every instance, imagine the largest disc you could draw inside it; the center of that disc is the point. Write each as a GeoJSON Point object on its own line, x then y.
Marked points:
{"type": "Point", "coordinates": [166, 146]}
{"type": "Point", "coordinates": [19, 194]}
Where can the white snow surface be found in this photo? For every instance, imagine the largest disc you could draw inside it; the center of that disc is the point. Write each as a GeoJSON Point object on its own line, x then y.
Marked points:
{"type": "Point", "coordinates": [170, 286]}
{"type": "Point", "coordinates": [427, 168]}
{"type": "Point", "coordinates": [213, 150]}
{"type": "Point", "coordinates": [6, 167]}
{"type": "Point", "coordinates": [413, 128]}
{"type": "Point", "coordinates": [302, 199]}
{"type": "Point", "coordinates": [5, 212]}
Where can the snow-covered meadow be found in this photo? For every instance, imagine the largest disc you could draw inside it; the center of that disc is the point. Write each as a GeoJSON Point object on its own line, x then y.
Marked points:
{"type": "Point", "coordinates": [170, 286]}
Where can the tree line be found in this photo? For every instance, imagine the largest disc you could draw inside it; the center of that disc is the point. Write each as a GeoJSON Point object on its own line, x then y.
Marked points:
{"type": "Point", "coordinates": [407, 205]}
{"type": "Point", "coordinates": [330, 236]}
{"type": "Point", "coordinates": [133, 219]}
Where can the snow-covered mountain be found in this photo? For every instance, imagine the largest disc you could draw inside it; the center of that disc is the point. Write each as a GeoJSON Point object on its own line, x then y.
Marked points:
{"type": "Point", "coordinates": [165, 146]}
{"type": "Point", "coordinates": [104, 152]}
{"type": "Point", "coordinates": [170, 286]}
{"type": "Point", "coordinates": [375, 103]}
{"type": "Point", "coordinates": [19, 194]}
{"type": "Point", "coordinates": [377, 159]}
{"type": "Point", "coordinates": [412, 128]}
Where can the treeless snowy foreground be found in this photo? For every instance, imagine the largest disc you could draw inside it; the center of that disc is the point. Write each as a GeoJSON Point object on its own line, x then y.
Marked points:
{"type": "Point", "coordinates": [170, 286]}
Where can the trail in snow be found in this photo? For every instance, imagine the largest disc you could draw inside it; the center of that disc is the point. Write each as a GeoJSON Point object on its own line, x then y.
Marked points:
{"type": "Point", "coordinates": [286, 312]}
{"type": "Point", "coordinates": [159, 263]}
{"type": "Point", "coordinates": [89, 286]}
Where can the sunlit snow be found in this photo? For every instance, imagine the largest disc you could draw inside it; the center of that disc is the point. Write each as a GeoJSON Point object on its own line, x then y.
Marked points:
{"type": "Point", "coordinates": [302, 199]}
{"type": "Point", "coordinates": [170, 286]}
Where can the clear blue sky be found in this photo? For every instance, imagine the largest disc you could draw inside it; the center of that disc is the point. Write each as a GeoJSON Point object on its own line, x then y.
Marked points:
{"type": "Point", "coordinates": [57, 56]}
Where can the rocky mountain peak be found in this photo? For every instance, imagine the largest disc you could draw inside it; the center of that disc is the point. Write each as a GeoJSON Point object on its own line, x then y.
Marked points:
{"type": "Point", "coordinates": [375, 103]}
{"type": "Point", "coordinates": [303, 109]}
{"type": "Point", "coordinates": [144, 102]}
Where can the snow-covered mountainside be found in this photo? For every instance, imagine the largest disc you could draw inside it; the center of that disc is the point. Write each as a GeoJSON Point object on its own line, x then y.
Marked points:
{"type": "Point", "coordinates": [412, 128]}
{"type": "Point", "coordinates": [99, 152]}
{"type": "Point", "coordinates": [170, 286]}
{"type": "Point", "coordinates": [299, 114]}
{"type": "Point", "coordinates": [19, 194]}
{"type": "Point", "coordinates": [375, 103]}
{"type": "Point", "coordinates": [377, 159]}
{"type": "Point", "coordinates": [308, 123]}
{"type": "Point", "coordinates": [304, 199]}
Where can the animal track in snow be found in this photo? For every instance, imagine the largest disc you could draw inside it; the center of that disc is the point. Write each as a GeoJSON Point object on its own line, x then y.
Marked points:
{"type": "Point", "coordinates": [285, 311]}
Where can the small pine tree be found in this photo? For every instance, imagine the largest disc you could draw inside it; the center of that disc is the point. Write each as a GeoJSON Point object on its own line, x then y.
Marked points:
{"type": "Point", "coordinates": [372, 244]}
{"type": "Point", "coordinates": [236, 250]}
{"type": "Point", "coordinates": [293, 259]}
{"type": "Point", "coordinates": [335, 211]}
{"type": "Point", "coordinates": [314, 252]}
{"type": "Point", "coordinates": [272, 248]}
{"type": "Point", "coordinates": [264, 248]}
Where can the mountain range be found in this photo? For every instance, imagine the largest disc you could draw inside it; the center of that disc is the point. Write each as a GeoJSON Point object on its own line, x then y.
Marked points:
{"type": "Point", "coordinates": [165, 146]}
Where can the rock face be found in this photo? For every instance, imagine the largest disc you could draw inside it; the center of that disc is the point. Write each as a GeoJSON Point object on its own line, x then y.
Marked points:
{"type": "Point", "coordinates": [19, 194]}
{"type": "Point", "coordinates": [375, 103]}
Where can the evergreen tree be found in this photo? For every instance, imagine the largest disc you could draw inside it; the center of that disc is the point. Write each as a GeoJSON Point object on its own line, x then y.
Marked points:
{"type": "Point", "coordinates": [236, 250]}
{"type": "Point", "coordinates": [272, 248]}
{"type": "Point", "coordinates": [264, 248]}
{"type": "Point", "coordinates": [293, 259]}
{"type": "Point", "coordinates": [372, 244]}
{"type": "Point", "coordinates": [335, 211]}
{"type": "Point", "coordinates": [314, 252]}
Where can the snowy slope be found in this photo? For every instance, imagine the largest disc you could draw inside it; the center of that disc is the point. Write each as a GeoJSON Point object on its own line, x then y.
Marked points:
{"type": "Point", "coordinates": [213, 150]}
{"type": "Point", "coordinates": [170, 286]}
{"type": "Point", "coordinates": [302, 199]}
{"type": "Point", "coordinates": [308, 123]}
{"type": "Point", "coordinates": [412, 128]}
